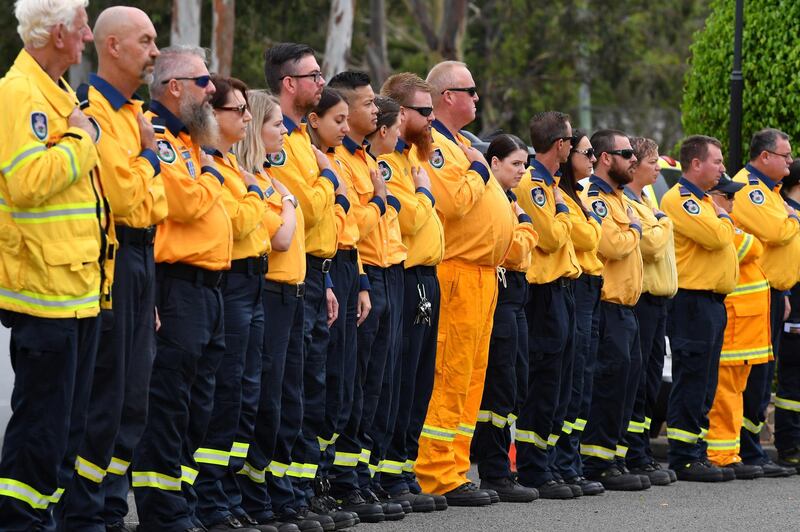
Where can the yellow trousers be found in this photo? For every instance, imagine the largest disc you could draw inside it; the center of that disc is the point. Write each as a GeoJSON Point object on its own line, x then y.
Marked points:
{"type": "Point", "coordinates": [468, 300]}
{"type": "Point", "coordinates": [725, 417]}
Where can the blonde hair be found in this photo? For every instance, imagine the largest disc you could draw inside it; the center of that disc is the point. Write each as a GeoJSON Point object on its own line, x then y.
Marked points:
{"type": "Point", "coordinates": [36, 18]}
{"type": "Point", "coordinates": [250, 151]}
{"type": "Point", "coordinates": [403, 86]}
{"type": "Point", "coordinates": [643, 148]}
{"type": "Point", "coordinates": [440, 77]}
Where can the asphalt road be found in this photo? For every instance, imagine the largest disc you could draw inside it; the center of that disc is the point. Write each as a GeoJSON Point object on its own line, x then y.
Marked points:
{"type": "Point", "coordinates": [763, 505]}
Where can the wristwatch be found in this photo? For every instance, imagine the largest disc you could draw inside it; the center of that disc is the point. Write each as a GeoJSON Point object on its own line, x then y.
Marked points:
{"type": "Point", "coordinates": [290, 197]}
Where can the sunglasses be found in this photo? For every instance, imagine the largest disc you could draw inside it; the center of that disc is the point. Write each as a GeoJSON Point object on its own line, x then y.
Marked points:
{"type": "Point", "coordinates": [721, 194]}
{"type": "Point", "coordinates": [625, 154]}
{"type": "Point", "coordinates": [200, 81]}
{"type": "Point", "coordinates": [472, 91]}
{"type": "Point", "coordinates": [424, 111]}
{"type": "Point", "coordinates": [239, 108]}
{"type": "Point", "coordinates": [588, 152]}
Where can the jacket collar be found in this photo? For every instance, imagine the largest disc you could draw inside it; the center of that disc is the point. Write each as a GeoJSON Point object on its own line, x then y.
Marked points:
{"type": "Point", "coordinates": [172, 122]}
{"type": "Point", "coordinates": [540, 171]}
{"type": "Point", "coordinates": [761, 176]}
{"type": "Point", "coordinates": [441, 128]}
{"type": "Point", "coordinates": [109, 92]}
{"type": "Point", "coordinates": [691, 187]}
{"type": "Point", "coordinates": [602, 185]}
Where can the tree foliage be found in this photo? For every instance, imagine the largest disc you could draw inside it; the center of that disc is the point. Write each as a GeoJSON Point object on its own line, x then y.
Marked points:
{"type": "Point", "coordinates": [770, 62]}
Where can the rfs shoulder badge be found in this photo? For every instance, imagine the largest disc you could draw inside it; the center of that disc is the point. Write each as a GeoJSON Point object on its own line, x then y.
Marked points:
{"type": "Point", "coordinates": [757, 197]}
{"type": "Point", "coordinates": [437, 158]}
{"type": "Point", "coordinates": [385, 169]}
{"type": "Point", "coordinates": [165, 151]}
{"type": "Point", "coordinates": [691, 207]}
{"type": "Point", "coordinates": [277, 159]}
{"type": "Point", "coordinates": [39, 125]}
{"type": "Point", "coordinates": [600, 208]}
{"type": "Point", "coordinates": [538, 196]}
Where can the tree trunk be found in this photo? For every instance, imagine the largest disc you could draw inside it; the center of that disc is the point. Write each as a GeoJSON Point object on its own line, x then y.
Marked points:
{"type": "Point", "coordinates": [340, 37]}
{"type": "Point", "coordinates": [223, 23]}
{"type": "Point", "coordinates": [185, 22]}
{"type": "Point", "coordinates": [454, 24]}
{"type": "Point", "coordinates": [377, 55]}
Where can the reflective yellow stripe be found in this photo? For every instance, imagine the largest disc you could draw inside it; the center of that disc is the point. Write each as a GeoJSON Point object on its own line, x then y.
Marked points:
{"type": "Point", "coordinates": [512, 418]}
{"type": "Point", "coordinates": [723, 445]}
{"type": "Point", "coordinates": [23, 492]}
{"type": "Point", "coordinates": [364, 457]}
{"type": "Point", "coordinates": [465, 430]}
{"type": "Point", "coordinates": [323, 443]}
{"type": "Point", "coordinates": [151, 479]}
{"type": "Point", "coordinates": [73, 164]}
{"type": "Point", "coordinates": [621, 451]}
{"type": "Point", "coordinates": [33, 300]}
{"type": "Point", "coordinates": [647, 423]}
{"type": "Point", "coordinates": [568, 427]}
{"type": "Point", "coordinates": [750, 288]}
{"type": "Point", "coordinates": [437, 433]}
{"type": "Point", "coordinates": [28, 153]}
{"type": "Point", "coordinates": [51, 213]}
{"type": "Point", "coordinates": [787, 404]}
{"type": "Point", "coordinates": [309, 470]}
{"type": "Point", "coordinates": [597, 451]}
{"type": "Point", "coordinates": [118, 466]}
{"type": "Point", "coordinates": [744, 246]}
{"type": "Point", "coordinates": [253, 473]}
{"type": "Point", "coordinates": [529, 436]}
{"type": "Point", "coordinates": [703, 433]}
{"type": "Point", "coordinates": [188, 474]}
{"type": "Point", "coordinates": [636, 427]}
{"type": "Point", "coordinates": [752, 427]}
{"type": "Point", "coordinates": [391, 467]}
{"type": "Point", "coordinates": [552, 439]}
{"type": "Point", "coordinates": [206, 455]}
{"type": "Point", "coordinates": [295, 470]}
{"type": "Point", "coordinates": [89, 471]}
{"type": "Point", "coordinates": [487, 416]}
{"type": "Point", "coordinates": [409, 466]}
{"type": "Point", "coordinates": [346, 459]}
{"type": "Point", "coordinates": [579, 424]}
{"type": "Point", "coordinates": [681, 435]}
{"type": "Point", "coordinates": [730, 355]}
{"type": "Point", "coordinates": [239, 449]}
{"type": "Point", "coordinates": [372, 470]}
{"type": "Point", "coordinates": [277, 469]}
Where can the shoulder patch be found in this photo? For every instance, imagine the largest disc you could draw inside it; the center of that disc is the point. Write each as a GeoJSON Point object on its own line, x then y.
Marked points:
{"type": "Point", "coordinates": [538, 196]}
{"type": "Point", "coordinates": [39, 125]}
{"type": "Point", "coordinates": [277, 159]}
{"type": "Point", "coordinates": [691, 207]}
{"type": "Point", "coordinates": [385, 170]}
{"type": "Point", "coordinates": [756, 196]}
{"type": "Point", "coordinates": [752, 180]}
{"type": "Point", "coordinates": [684, 191]}
{"type": "Point", "coordinates": [165, 151]}
{"type": "Point", "coordinates": [437, 158]}
{"type": "Point", "coordinates": [600, 208]}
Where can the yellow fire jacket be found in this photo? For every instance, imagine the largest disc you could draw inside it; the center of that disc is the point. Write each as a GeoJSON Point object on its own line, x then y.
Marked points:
{"type": "Point", "coordinates": [52, 212]}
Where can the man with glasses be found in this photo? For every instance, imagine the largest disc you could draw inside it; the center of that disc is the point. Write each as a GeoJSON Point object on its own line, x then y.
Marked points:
{"type": "Point", "coordinates": [288, 493]}
{"type": "Point", "coordinates": [551, 305]}
{"type": "Point", "coordinates": [619, 360]}
{"type": "Point", "coordinates": [192, 251]}
{"type": "Point", "coordinates": [763, 213]}
{"type": "Point", "coordinates": [130, 172]}
{"type": "Point", "coordinates": [708, 270]}
{"type": "Point", "coordinates": [423, 237]}
{"type": "Point", "coordinates": [478, 230]}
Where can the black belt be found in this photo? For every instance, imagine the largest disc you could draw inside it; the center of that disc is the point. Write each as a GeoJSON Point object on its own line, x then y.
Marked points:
{"type": "Point", "coordinates": [563, 282]}
{"type": "Point", "coordinates": [428, 271]}
{"type": "Point", "coordinates": [135, 237]}
{"type": "Point", "coordinates": [286, 289]}
{"type": "Point", "coordinates": [250, 265]}
{"type": "Point", "coordinates": [351, 254]}
{"type": "Point", "coordinates": [193, 274]}
{"type": "Point", "coordinates": [317, 263]}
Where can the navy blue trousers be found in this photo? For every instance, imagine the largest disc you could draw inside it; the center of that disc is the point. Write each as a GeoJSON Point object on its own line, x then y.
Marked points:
{"type": "Point", "coordinates": [118, 405]}
{"type": "Point", "coordinates": [695, 326]}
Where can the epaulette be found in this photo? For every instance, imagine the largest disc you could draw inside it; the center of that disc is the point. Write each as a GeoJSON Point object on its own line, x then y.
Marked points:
{"type": "Point", "coordinates": [594, 190]}
{"type": "Point", "coordinates": [83, 96]}
{"type": "Point", "coordinates": [685, 191]}
{"type": "Point", "coordinates": [159, 125]}
{"type": "Point", "coordinates": [752, 180]}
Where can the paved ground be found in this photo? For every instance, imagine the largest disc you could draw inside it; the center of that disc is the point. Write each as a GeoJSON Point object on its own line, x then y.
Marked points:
{"type": "Point", "coordinates": [761, 504]}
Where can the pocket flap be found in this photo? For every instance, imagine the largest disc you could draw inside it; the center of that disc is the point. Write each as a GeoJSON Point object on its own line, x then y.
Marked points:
{"type": "Point", "coordinates": [74, 253]}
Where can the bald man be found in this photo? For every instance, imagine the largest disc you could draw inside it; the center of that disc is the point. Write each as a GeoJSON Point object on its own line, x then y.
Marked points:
{"type": "Point", "coordinates": [479, 230]}
{"type": "Point", "coordinates": [129, 171]}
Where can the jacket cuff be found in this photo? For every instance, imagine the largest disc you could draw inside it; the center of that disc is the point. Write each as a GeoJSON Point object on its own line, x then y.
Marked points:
{"type": "Point", "coordinates": [524, 219]}
{"type": "Point", "coordinates": [662, 215]}
{"type": "Point", "coordinates": [637, 227]}
{"type": "Point", "coordinates": [379, 202]}
{"type": "Point", "coordinates": [479, 167]}
{"type": "Point", "coordinates": [726, 217]}
{"type": "Point", "coordinates": [596, 218]}
{"type": "Point", "coordinates": [561, 207]}
{"type": "Point", "coordinates": [342, 200]}
{"type": "Point", "coordinates": [423, 190]}
{"type": "Point", "coordinates": [254, 188]}
{"type": "Point", "coordinates": [152, 158]}
{"type": "Point", "coordinates": [213, 171]}
{"type": "Point", "coordinates": [328, 280]}
{"type": "Point", "coordinates": [795, 217]}
{"type": "Point", "coordinates": [394, 202]}
{"type": "Point", "coordinates": [328, 174]}
{"type": "Point", "coordinates": [363, 282]}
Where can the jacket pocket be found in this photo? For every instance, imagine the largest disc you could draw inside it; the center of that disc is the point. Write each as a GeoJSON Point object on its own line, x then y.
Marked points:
{"type": "Point", "coordinates": [11, 248]}
{"type": "Point", "coordinates": [72, 265]}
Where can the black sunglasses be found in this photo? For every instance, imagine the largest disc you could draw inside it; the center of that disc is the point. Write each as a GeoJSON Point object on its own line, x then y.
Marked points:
{"type": "Point", "coordinates": [588, 152]}
{"type": "Point", "coordinates": [625, 154]}
{"type": "Point", "coordinates": [472, 91]}
{"type": "Point", "coordinates": [424, 111]}
{"type": "Point", "coordinates": [200, 81]}
{"type": "Point", "coordinates": [238, 108]}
